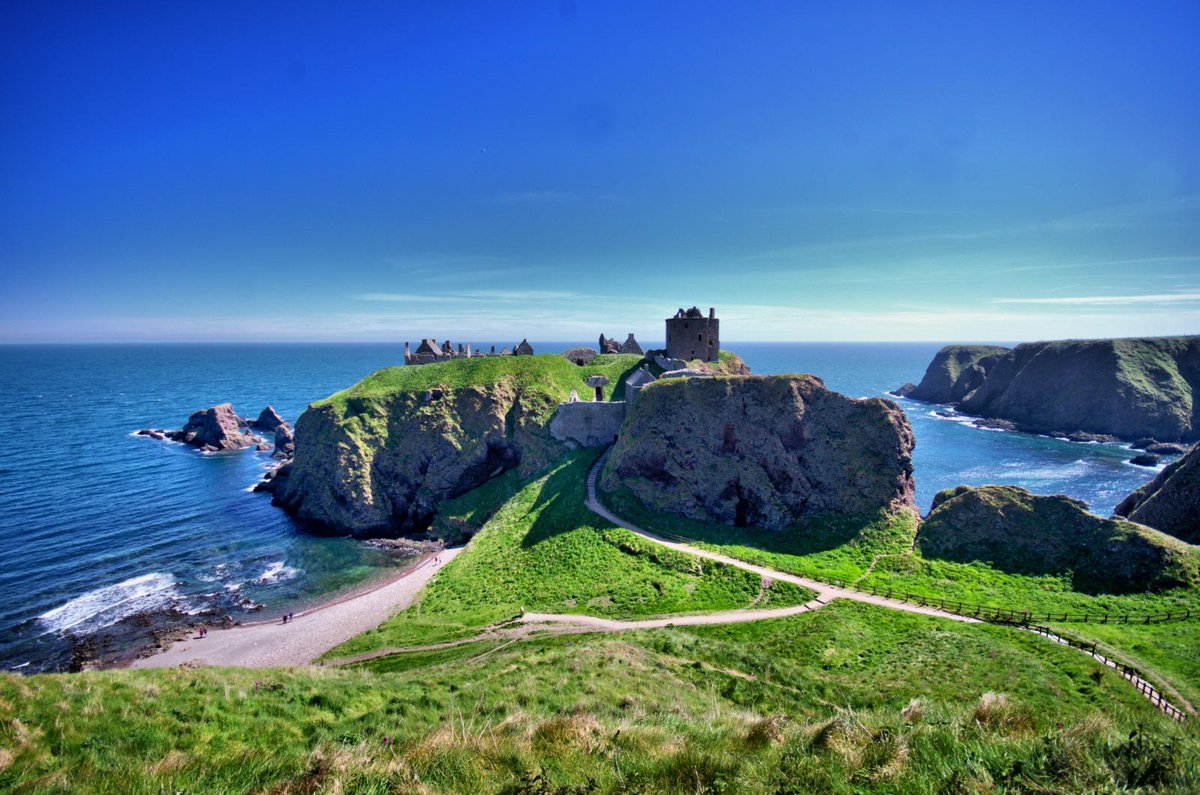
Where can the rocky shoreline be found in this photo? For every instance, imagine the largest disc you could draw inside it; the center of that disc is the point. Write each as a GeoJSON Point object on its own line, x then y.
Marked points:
{"type": "Point", "coordinates": [1144, 390]}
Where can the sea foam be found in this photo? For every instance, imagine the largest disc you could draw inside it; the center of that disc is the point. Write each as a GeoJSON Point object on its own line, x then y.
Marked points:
{"type": "Point", "coordinates": [105, 606]}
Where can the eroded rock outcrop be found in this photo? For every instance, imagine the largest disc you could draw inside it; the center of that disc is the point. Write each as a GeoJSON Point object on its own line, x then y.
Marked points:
{"type": "Point", "coordinates": [1127, 388]}
{"type": "Point", "coordinates": [955, 371]}
{"type": "Point", "coordinates": [1015, 531]}
{"type": "Point", "coordinates": [1171, 501]}
{"type": "Point", "coordinates": [382, 465]}
{"type": "Point", "coordinates": [211, 430]}
{"type": "Point", "coordinates": [762, 451]}
{"type": "Point", "coordinates": [285, 441]}
{"type": "Point", "coordinates": [268, 420]}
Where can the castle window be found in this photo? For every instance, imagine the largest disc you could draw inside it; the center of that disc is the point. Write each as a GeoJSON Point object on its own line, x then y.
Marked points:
{"type": "Point", "coordinates": [700, 338]}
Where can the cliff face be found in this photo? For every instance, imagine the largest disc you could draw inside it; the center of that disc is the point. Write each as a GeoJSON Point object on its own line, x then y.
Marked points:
{"type": "Point", "coordinates": [384, 465]}
{"type": "Point", "coordinates": [1017, 532]}
{"type": "Point", "coordinates": [765, 452]}
{"type": "Point", "coordinates": [1129, 388]}
{"type": "Point", "coordinates": [1170, 502]}
{"type": "Point", "coordinates": [955, 371]}
{"type": "Point", "coordinates": [381, 457]}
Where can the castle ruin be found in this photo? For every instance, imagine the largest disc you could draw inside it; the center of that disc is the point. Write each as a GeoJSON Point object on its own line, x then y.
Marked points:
{"type": "Point", "coordinates": [691, 335]}
{"type": "Point", "coordinates": [429, 352]}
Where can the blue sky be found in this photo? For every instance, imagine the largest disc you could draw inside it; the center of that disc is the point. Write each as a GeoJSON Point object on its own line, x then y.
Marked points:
{"type": "Point", "coordinates": [817, 171]}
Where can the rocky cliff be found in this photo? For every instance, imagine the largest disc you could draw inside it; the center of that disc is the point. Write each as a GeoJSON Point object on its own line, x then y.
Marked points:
{"type": "Point", "coordinates": [1018, 532]}
{"type": "Point", "coordinates": [1171, 501]}
{"type": "Point", "coordinates": [954, 373]}
{"type": "Point", "coordinates": [379, 458]}
{"type": "Point", "coordinates": [1129, 388]}
{"type": "Point", "coordinates": [767, 452]}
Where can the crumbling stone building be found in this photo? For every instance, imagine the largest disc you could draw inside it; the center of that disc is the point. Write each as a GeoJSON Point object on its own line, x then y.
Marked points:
{"type": "Point", "coordinates": [429, 352]}
{"type": "Point", "coordinates": [691, 335]}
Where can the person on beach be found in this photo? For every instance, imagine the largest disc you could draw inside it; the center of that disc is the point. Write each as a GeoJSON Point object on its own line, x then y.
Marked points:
{"type": "Point", "coordinates": [285, 617]}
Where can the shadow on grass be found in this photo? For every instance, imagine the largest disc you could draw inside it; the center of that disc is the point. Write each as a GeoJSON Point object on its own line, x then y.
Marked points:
{"type": "Point", "coordinates": [559, 505]}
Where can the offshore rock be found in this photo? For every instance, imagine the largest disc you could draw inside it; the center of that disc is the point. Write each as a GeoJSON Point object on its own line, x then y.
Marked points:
{"type": "Point", "coordinates": [268, 420]}
{"type": "Point", "coordinates": [762, 451]}
{"type": "Point", "coordinates": [285, 441]}
{"type": "Point", "coordinates": [1085, 389]}
{"type": "Point", "coordinates": [214, 430]}
{"type": "Point", "coordinates": [1171, 501]}
{"type": "Point", "coordinates": [1015, 531]}
{"type": "Point", "coordinates": [1146, 460]}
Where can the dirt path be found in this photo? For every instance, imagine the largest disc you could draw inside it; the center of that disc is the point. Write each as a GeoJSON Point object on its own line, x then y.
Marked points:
{"type": "Point", "coordinates": [308, 636]}
{"type": "Point", "coordinates": [824, 591]}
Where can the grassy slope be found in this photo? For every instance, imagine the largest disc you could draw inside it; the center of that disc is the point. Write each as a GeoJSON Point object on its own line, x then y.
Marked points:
{"type": "Point", "coordinates": [546, 552]}
{"type": "Point", "coordinates": [549, 373]}
{"type": "Point", "coordinates": [847, 553]}
{"type": "Point", "coordinates": [821, 702]}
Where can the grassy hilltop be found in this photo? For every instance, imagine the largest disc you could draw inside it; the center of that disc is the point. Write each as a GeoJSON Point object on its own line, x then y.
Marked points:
{"type": "Point", "coordinates": [848, 698]}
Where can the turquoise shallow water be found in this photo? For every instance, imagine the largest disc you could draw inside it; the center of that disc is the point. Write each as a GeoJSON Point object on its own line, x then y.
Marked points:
{"type": "Point", "coordinates": [107, 536]}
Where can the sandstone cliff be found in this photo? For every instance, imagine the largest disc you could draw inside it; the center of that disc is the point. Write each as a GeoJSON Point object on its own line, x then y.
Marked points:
{"type": "Point", "coordinates": [1128, 388]}
{"type": "Point", "coordinates": [767, 452]}
{"type": "Point", "coordinates": [379, 458]}
{"type": "Point", "coordinates": [1018, 532]}
{"type": "Point", "coordinates": [1171, 501]}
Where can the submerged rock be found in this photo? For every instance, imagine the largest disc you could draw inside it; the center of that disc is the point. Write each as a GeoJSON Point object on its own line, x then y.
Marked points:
{"type": "Point", "coordinates": [762, 451]}
{"type": "Point", "coordinates": [1015, 531]}
{"type": "Point", "coordinates": [1166, 448]}
{"type": "Point", "coordinates": [1171, 501]}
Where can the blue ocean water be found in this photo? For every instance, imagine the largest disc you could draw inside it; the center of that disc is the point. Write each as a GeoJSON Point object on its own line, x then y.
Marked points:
{"type": "Point", "coordinates": [107, 536]}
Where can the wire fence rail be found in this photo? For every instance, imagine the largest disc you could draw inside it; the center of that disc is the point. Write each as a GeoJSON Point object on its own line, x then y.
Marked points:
{"type": "Point", "coordinates": [1131, 674]}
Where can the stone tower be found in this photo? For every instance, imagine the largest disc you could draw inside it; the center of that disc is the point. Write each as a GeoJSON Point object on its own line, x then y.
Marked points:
{"type": "Point", "coordinates": [691, 335]}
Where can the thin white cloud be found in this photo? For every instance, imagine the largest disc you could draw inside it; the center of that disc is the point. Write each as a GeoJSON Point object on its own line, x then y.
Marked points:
{"type": "Point", "coordinates": [495, 296]}
{"type": "Point", "coordinates": [1105, 300]}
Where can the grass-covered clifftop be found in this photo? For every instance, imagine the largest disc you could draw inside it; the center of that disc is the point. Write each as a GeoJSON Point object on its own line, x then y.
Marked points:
{"type": "Point", "coordinates": [380, 457]}
{"type": "Point", "coordinates": [1018, 532]}
{"type": "Point", "coordinates": [1130, 388]}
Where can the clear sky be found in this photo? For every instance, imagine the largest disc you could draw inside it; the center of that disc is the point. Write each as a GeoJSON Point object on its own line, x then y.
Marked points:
{"type": "Point", "coordinates": [492, 170]}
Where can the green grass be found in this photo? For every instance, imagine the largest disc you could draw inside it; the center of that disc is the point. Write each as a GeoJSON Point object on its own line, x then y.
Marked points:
{"type": "Point", "coordinates": [544, 551]}
{"type": "Point", "coordinates": [847, 699]}
{"type": "Point", "coordinates": [846, 551]}
{"type": "Point", "coordinates": [823, 549]}
{"type": "Point", "coordinates": [549, 373]}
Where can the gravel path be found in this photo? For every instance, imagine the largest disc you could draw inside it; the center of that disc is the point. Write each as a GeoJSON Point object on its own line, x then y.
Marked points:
{"type": "Point", "coordinates": [308, 636]}
{"type": "Point", "coordinates": [824, 592]}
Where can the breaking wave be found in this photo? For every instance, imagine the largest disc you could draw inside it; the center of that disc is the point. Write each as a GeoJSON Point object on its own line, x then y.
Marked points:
{"type": "Point", "coordinates": [106, 606]}
{"type": "Point", "coordinates": [278, 572]}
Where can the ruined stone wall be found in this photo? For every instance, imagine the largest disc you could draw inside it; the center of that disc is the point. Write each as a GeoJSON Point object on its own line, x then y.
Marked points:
{"type": "Point", "coordinates": [588, 424]}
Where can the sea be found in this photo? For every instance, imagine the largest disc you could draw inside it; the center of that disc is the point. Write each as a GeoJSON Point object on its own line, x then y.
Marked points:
{"type": "Point", "coordinates": [108, 538]}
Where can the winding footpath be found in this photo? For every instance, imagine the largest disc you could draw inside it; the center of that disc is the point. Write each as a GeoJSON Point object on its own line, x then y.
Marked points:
{"type": "Point", "coordinates": [313, 633]}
